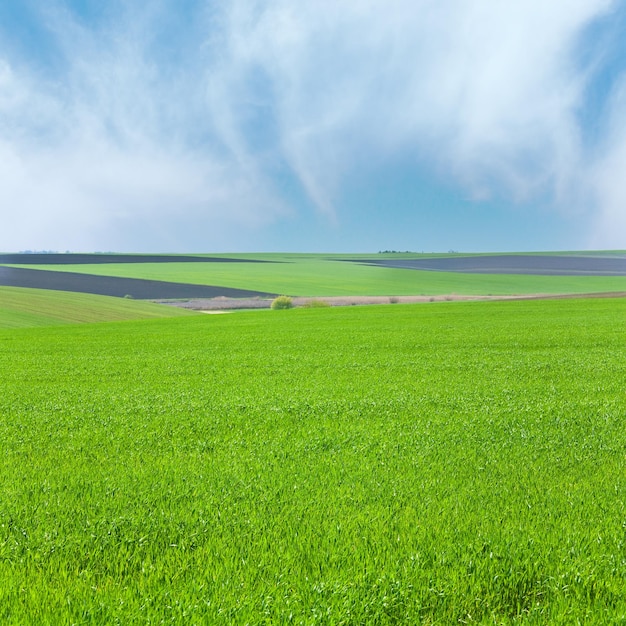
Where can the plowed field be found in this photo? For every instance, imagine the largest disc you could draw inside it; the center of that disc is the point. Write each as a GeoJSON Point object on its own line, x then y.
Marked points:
{"type": "Point", "coordinates": [513, 264]}
{"type": "Point", "coordinates": [112, 286]}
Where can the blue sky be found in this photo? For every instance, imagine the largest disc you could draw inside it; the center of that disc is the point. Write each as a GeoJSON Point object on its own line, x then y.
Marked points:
{"type": "Point", "coordinates": [189, 125]}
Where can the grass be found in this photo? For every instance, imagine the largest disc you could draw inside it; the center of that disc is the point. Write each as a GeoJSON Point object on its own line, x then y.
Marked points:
{"type": "Point", "coordinates": [435, 464]}
{"type": "Point", "coordinates": [320, 276]}
{"type": "Point", "coordinates": [21, 307]}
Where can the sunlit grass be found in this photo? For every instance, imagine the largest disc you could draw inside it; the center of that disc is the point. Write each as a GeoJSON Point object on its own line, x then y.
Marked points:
{"type": "Point", "coordinates": [440, 463]}
{"type": "Point", "coordinates": [21, 307]}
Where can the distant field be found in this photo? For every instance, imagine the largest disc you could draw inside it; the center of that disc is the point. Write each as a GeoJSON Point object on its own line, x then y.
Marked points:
{"type": "Point", "coordinates": [21, 307]}
{"type": "Point", "coordinates": [554, 265]}
{"type": "Point", "coordinates": [335, 275]}
{"type": "Point", "coordinates": [443, 464]}
{"type": "Point", "coordinates": [72, 259]}
{"type": "Point", "coordinates": [101, 284]}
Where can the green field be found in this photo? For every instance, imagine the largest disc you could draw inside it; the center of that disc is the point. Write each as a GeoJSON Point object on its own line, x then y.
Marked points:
{"type": "Point", "coordinates": [21, 307]}
{"type": "Point", "coordinates": [323, 275]}
{"type": "Point", "coordinates": [437, 464]}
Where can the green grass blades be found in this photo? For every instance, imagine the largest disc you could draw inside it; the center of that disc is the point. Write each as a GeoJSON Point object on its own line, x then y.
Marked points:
{"type": "Point", "coordinates": [435, 464]}
{"type": "Point", "coordinates": [38, 307]}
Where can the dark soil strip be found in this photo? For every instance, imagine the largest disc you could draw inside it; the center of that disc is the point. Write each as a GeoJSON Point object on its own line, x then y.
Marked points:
{"type": "Point", "coordinates": [512, 264]}
{"type": "Point", "coordinates": [75, 259]}
{"type": "Point", "coordinates": [120, 287]}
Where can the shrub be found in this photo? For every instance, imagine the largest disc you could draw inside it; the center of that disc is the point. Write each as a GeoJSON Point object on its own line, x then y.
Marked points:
{"type": "Point", "coordinates": [316, 304]}
{"type": "Point", "coordinates": [282, 302]}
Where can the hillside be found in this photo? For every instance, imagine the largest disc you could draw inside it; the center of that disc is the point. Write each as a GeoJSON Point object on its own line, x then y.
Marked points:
{"type": "Point", "coordinates": [20, 307]}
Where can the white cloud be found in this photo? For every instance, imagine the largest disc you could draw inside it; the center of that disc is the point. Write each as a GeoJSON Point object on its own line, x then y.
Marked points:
{"type": "Point", "coordinates": [487, 94]}
{"type": "Point", "coordinates": [145, 126]}
{"type": "Point", "coordinates": [488, 88]}
{"type": "Point", "coordinates": [607, 178]}
{"type": "Point", "coordinates": [116, 143]}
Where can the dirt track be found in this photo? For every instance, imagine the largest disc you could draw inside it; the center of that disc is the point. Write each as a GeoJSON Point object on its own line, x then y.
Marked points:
{"type": "Point", "coordinates": [221, 304]}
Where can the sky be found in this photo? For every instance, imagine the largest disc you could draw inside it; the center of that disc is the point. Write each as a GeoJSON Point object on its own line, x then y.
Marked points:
{"type": "Point", "coordinates": [312, 126]}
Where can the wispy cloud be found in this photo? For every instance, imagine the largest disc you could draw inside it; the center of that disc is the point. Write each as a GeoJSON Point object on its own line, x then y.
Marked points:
{"type": "Point", "coordinates": [154, 118]}
{"type": "Point", "coordinates": [118, 140]}
{"type": "Point", "coordinates": [607, 176]}
{"type": "Point", "coordinates": [489, 92]}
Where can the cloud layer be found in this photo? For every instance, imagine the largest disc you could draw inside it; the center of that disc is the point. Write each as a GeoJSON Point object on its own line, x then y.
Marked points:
{"type": "Point", "coordinates": [169, 128]}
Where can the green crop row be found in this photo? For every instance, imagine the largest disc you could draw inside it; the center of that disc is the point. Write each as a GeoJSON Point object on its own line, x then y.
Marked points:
{"type": "Point", "coordinates": [440, 464]}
